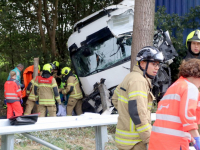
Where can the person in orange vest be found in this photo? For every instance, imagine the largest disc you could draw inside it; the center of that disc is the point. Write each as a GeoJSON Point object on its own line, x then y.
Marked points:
{"type": "Point", "coordinates": [12, 94]}
{"type": "Point", "coordinates": [176, 116]}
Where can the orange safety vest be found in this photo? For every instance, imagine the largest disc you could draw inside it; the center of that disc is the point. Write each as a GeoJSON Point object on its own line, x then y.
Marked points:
{"type": "Point", "coordinates": [27, 76]}
{"type": "Point", "coordinates": [12, 91]}
{"type": "Point", "coordinates": [175, 116]}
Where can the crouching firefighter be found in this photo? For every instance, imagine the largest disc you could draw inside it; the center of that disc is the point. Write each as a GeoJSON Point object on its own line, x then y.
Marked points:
{"type": "Point", "coordinates": [73, 90]}
{"type": "Point", "coordinates": [135, 101]}
{"type": "Point", "coordinates": [46, 89]}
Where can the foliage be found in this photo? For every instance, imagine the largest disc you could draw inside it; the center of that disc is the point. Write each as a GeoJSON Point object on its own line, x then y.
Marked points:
{"type": "Point", "coordinates": [20, 36]}
{"type": "Point", "coordinates": [176, 25]}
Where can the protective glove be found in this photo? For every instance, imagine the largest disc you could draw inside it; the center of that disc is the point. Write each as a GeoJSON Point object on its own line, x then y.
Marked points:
{"type": "Point", "coordinates": [21, 101]}
{"type": "Point", "coordinates": [197, 143]}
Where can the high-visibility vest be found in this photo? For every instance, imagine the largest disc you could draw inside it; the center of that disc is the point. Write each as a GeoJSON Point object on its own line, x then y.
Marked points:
{"type": "Point", "coordinates": [12, 91]}
{"type": "Point", "coordinates": [47, 87]}
{"type": "Point", "coordinates": [175, 116]}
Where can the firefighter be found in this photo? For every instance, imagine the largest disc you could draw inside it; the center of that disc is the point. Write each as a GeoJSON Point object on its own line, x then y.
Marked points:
{"type": "Point", "coordinates": [30, 103]}
{"type": "Point", "coordinates": [73, 90]}
{"type": "Point", "coordinates": [12, 94]}
{"type": "Point", "coordinates": [193, 45]}
{"type": "Point", "coordinates": [176, 116]}
{"type": "Point", "coordinates": [135, 101]}
{"type": "Point", "coordinates": [46, 89]}
{"type": "Point", "coordinates": [56, 70]}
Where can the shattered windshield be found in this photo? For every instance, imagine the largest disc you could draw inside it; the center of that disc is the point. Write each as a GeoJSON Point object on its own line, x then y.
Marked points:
{"type": "Point", "coordinates": [101, 54]}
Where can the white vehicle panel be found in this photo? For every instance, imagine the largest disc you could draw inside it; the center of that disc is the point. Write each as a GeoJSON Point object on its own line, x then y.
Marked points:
{"type": "Point", "coordinates": [93, 27]}
{"type": "Point", "coordinates": [113, 76]}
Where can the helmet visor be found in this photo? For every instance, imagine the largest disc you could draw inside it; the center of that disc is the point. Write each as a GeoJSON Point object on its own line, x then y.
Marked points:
{"type": "Point", "coordinates": [159, 57]}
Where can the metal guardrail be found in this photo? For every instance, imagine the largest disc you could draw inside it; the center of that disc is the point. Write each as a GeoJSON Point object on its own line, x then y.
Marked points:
{"type": "Point", "coordinates": [100, 123]}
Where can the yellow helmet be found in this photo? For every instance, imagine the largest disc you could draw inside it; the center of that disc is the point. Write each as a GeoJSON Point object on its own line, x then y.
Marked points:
{"type": "Point", "coordinates": [65, 71]}
{"type": "Point", "coordinates": [39, 67]}
{"type": "Point", "coordinates": [47, 67]}
{"type": "Point", "coordinates": [56, 63]}
{"type": "Point", "coordinates": [193, 36]}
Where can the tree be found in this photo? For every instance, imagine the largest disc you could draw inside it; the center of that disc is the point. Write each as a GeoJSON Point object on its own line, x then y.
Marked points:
{"type": "Point", "coordinates": [143, 27]}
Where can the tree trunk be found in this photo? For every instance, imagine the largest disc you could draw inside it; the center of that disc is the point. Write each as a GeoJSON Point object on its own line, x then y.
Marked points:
{"type": "Point", "coordinates": [39, 16]}
{"type": "Point", "coordinates": [143, 28]}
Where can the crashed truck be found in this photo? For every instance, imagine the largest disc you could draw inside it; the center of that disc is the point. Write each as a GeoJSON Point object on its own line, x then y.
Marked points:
{"type": "Point", "coordinates": [100, 51]}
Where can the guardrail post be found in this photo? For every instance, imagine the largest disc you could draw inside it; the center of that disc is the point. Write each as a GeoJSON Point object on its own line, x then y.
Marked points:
{"type": "Point", "coordinates": [7, 142]}
{"type": "Point", "coordinates": [101, 137]}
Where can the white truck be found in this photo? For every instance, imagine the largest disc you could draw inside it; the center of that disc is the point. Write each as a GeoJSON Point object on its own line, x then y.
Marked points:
{"type": "Point", "coordinates": [100, 48]}
{"type": "Point", "coordinates": [100, 51]}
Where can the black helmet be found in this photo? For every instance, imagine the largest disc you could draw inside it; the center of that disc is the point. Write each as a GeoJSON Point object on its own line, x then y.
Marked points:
{"type": "Point", "coordinates": [149, 53]}
{"type": "Point", "coordinates": [53, 65]}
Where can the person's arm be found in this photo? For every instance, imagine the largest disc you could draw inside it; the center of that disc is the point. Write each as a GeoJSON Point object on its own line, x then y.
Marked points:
{"type": "Point", "coordinates": [29, 87]}
{"type": "Point", "coordinates": [69, 87]}
{"type": "Point", "coordinates": [55, 90]}
{"type": "Point", "coordinates": [114, 98]}
{"type": "Point", "coordinates": [138, 108]}
{"type": "Point", "coordinates": [18, 90]}
{"type": "Point", "coordinates": [187, 110]}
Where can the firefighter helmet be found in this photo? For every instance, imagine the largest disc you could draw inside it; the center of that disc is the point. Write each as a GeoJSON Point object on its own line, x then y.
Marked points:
{"type": "Point", "coordinates": [47, 67]}
{"type": "Point", "coordinates": [149, 53]}
{"type": "Point", "coordinates": [56, 63]}
{"type": "Point", "coordinates": [65, 71]}
{"type": "Point", "coordinates": [193, 36]}
{"type": "Point", "coordinates": [52, 65]}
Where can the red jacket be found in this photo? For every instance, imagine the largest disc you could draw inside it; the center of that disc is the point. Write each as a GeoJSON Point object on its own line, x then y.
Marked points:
{"type": "Point", "coordinates": [175, 116]}
{"type": "Point", "coordinates": [12, 91]}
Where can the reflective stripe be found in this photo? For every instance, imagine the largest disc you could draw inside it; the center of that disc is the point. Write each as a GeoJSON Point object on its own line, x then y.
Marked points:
{"type": "Point", "coordinates": [171, 132]}
{"type": "Point", "coordinates": [11, 94]}
{"type": "Point", "coordinates": [149, 105]}
{"type": "Point", "coordinates": [171, 97]}
{"type": "Point", "coordinates": [191, 95]}
{"type": "Point", "coordinates": [132, 125]}
{"type": "Point", "coordinates": [168, 118]}
{"type": "Point", "coordinates": [47, 99]}
{"type": "Point", "coordinates": [137, 93]}
{"type": "Point", "coordinates": [127, 133]}
{"type": "Point", "coordinates": [122, 98]}
{"type": "Point", "coordinates": [46, 85]}
{"type": "Point", "coordinates": [126, 141]}
{"type": "Point", "coordinates": [198, 104]}
{"type": "Point", "coordinates": [117, 92]}
{"type": "Point", "coordinates": [144, 128]}
{"type": "Point", "coordinates": [12, 97]}
{"type": "Point", "coordinates": [18, 90]}
{"type": "Point", "coordinates": [47, 103]}
{"type": "Point", "coordinates": [54, 85]}
{"type": "Point", "coordinates": [186, 125]}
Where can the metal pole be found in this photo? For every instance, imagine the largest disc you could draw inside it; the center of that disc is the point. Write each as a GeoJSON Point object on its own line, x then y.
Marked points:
{"type": "Point", "coordinates": [101, 137]}
{"type": "Point", "coordinates": [7, 142]}
{"type": "Point", "coordinates": [38, 140]}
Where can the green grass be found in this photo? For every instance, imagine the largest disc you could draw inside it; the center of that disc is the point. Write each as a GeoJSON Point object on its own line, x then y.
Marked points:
{"type": "Point", "coordinates": [67, 139]}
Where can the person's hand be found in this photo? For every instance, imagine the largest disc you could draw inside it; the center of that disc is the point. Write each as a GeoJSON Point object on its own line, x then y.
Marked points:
{"type": "Point", "coordinates": [197, 143]}
{"type": "Point", "coordinates": [21, 101]}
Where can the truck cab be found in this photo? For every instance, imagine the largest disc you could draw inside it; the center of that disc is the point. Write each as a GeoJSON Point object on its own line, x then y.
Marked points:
{"type": "Point", "coordinates": [100, 46]}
